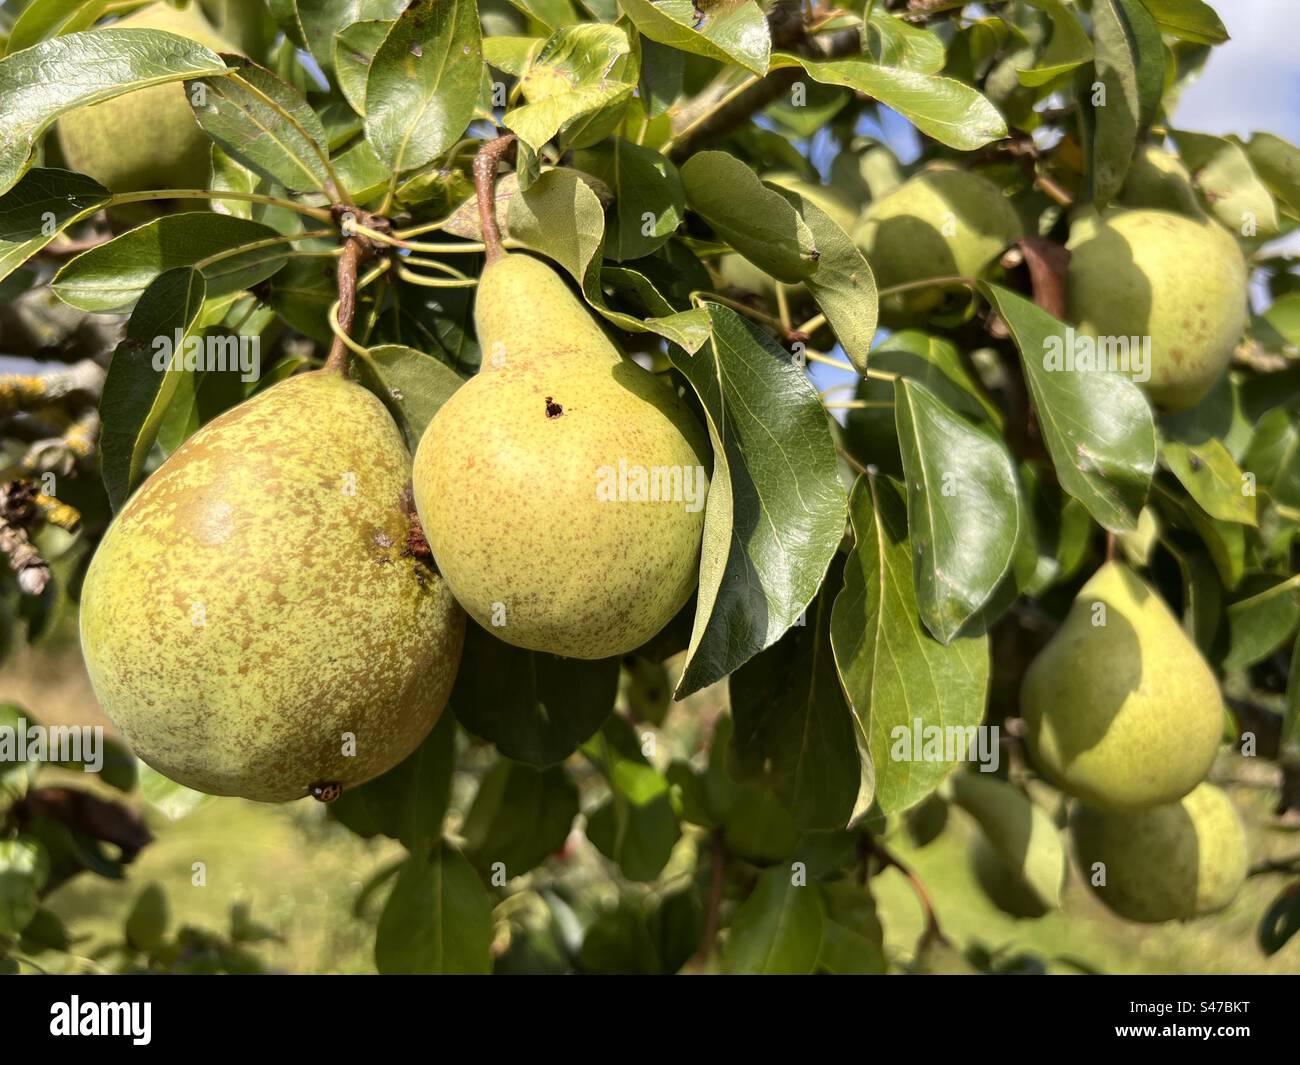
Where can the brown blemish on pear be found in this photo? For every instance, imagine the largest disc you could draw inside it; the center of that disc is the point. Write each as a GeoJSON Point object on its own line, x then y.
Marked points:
{"type": "Point", "coordinates": [236, 667]}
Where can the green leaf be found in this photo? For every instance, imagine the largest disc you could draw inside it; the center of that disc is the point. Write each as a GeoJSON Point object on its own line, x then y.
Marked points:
{"type": "Point", "coordinates": [778, 929]}
{"type": "Point", "coordinates": [1189, 20]}
{"type": "Point", "coordinates": [24, 869]}
{"type": "Point", "coordinates": [535, 707]}
{"type": "Point", "coordinates": [412, 385]}
{"type": "Point", "coordinates": [1225, 178]}
{"type": "Point", "coordinates": [174, 801]}
{"type": "Point", "coordinates": [1097, 424]}
{"type": "Point", "coordinates": [1226, 541]}
{"type": "Point", "coordinates": [408, 802]}
{"type": "Point", "coordinates": [146, 924]}
{"type": "Point", "coordinates": [40, 83]}
{"type": "Point", "coordinates": [662, 75]}
{"type": "Point", "coordinates": [15, 776]}
{"type": "Point", "coordinates": [649, 200]}
{"type": "Point", "coordinates": [437, 920]}
{"type": "Point", "coordinates": [424, 83]}
{"type": "Point", "coordinates": [38, 208]}
{"type": "Point", "coordinates": [1130, 66]}
{"type": "Point", "coordinates": [224, 250]}
{"type": "Point", "coordinates": [136, 392]}
{"type": "Point", "coordinates": [42, 19]}
{"type": "Point", "coordinates": [852, 938]}
{"type": "Point", "coordinates": [580, 70]}
{"type": "Point", "coordinates": [950, 111]}
{"type": "Point", "coordinates": [317, 22]}
{"type": "Point", "coordinates": [620, 942]}
{"type": "Point", "coordinates": [1069, 47]}
{"type": "Point", "coordinates": [265, 124]}
{"type": "Point", "coordinates": [1278, 163]}
{"type": "Point", "coordinates": [520, 817]}
{"type": "Point", "coordinates": [899, 679]}
{"type": "Point", "coordinates": [636, 827]}
{"type": "Point", "coordinates": [963, 508]}
{"type": "Point", "coordinates": [1022, 833]}
{"type": "Point", "coordinates": [1289, 743]}
{"type": "Point", "coordinates": [562, 218]}
{"type": "Point", "coordinates": [733, 31]}
{"type": "Point", "coordinates": [354, 51]}
{"type": "Point", "coordinates": [1262, 622]}
{"type": "Point", "coordinates": [1273, 457]}
{"type": "Point", "coordinates": [775, 514]}
{"type": "Point", "coordinates": [891, 42]}
{"type": "Point", "coordinates": [1212, 478]}
{"type": "Point", "coordinates": [754, 218]}
{"type": "Point", "coordinates": [793, 727]}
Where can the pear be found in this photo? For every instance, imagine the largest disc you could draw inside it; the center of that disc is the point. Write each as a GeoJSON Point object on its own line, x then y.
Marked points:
{"type": "Point", "coordinates": [1179, 281]}
{"type": "Point", "coordinates": [943, 222]}
{"type": "Point", "coordinates": [1004, 888]}
{"type": "Point", "coordinates": [1170, 862]}
{"type": "Point", "coordinates": [1120, 708]}
{"type": "Point", "coordinates": [254, 612]}
{"type": "Point", "coordinates": [146, 139]}
{"type": "Point", "coordinates": [1159, 179]}
{"type": "Point", "coordinates": [531, 481]}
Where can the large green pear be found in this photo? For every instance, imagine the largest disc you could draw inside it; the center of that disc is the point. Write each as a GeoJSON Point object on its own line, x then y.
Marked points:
{"type": "Point", "coordinates": [1120, 707]}
{"type": "Point", "coordinates": [147, 139]}
{"type": "Point", "coordinates": [1179, 281]}
{"type": "Point", "coordinates": [254, 621]}
{"type": "Point", "coordinates": [561, 488]}
{"type": "Point", "coordinates": [1167, 863]}
{"type": "Point", "coordinates": [942, 222]}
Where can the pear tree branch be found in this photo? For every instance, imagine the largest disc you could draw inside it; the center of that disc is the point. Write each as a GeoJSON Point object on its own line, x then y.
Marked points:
{"type": "Point", "coordinates": [485, 177]}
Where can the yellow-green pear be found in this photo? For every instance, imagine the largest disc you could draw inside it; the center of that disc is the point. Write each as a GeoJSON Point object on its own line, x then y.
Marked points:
{"type": "Point", "coordinates": [254, 621]}
{"type": "Point", "coordinates": [1003, 886]}
{"type": "Point", "coordinates": [1170, 862]}
{"type": "Point", "coordinates": [1176, 280]}
{"type": "Point", "coordinates": [147, 139]}
{"type": "Point", "coordinates": [1120, 708]}
{"type": "Point", "coordinates": [562, 488]}
{"type": "Point", "coordinates": [940, 223]}
{"type": "Point", "coordinates": [1159, 179]}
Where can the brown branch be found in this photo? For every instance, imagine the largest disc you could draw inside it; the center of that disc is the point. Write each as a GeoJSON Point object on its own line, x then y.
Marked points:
{"type": "Point", "coordinates": [485, 179]}
{"type": "Point", "coordinates": [353, 253]}
{"type": "Point", "coordinates": [716, 885]}
{"type": "Point", "coordinates": [933, 933]}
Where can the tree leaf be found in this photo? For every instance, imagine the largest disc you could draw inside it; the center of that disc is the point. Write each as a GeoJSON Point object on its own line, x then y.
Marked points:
{"type": "Point", "coordinates": [412, 385]}
{"type": "Point", "coordinates": [1069, 47]}
{"type": "Point", "coordinates": [318, 21]}
{"type": "Point", "coordinates": [113, 276]}
{"type": "Point", "coordinates": [578, 71]}
{"type": "Point", "coordinates": [424, 83]}
{"type": "Point", "coordinates": [264, 123]}
{"type": "Point", "coordinates": [535, 707]}
{"type": "Point", "coordinates": [146, 924]}
{"type": "Point", "coordinates": [1189, 20]}
{"type": "Point", "coordinates": [408, 802]}
{"type": "Point", "coordinates": [1129, 64]}
{"type": "Point", "coordinates": [1021, 832]}
{"type": "Point", "coordinates": [354, 52]}
{"type": "Point", "coordinates": [1262, 622]}
{"type": "Point", "coordinates": [1212, 478]}
{"type": "Point", "coordinates": [754, 218]}
{"type": "Point", "coordinates": [733, 31]}
{"type": "Point", "coordinates": [636, 827]}
{"type": "Point", "coordinates": [24, 869]}
{"type": "Point", "coordinates": [899, 679]}
{"type": "Point", "coordinates": [520, 817]}
{"type": "Point", "coordinates": [1233, 192]}
{"type": "Point", "coordinates": [794, 728]}
{"type": "Point", "coordinates": [38, 208]}
{"type": "Point", "coordinates": [777, 930]}
{"type": "Point", "coordinates": [963, 508]}
{"type": "Point", "coordinates": [948, 110]}
{"type": "Point", "coordinates": [40, 83]}
{"type": "Point", "coordinates": [437, 920]}
{"type": "Point", "coordinates": [891, 42]}
{"type": "Point", "coordinates": [853, 942]}
{"type": "Point", "coordinates": [42, 19]}
{"type": "Point", "coordinates": [648, 195]}
{"type": "Point", "coordinates": [136, 392]}
{"type": "Point", "coordinates": [1097, 424]}
{"type": "Point", "coordinates": [775, 514]}
{"type": "Point", "coordinates": [1278, 163]}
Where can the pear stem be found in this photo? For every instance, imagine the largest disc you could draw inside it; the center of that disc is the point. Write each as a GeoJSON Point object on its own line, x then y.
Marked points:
{"type": "Point", "coordinates": [353, 251]}
{"type": "Point", "coordinates": [485, 177]}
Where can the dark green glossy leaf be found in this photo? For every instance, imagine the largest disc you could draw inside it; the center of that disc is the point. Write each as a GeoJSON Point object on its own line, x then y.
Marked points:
{"type": "Point", "coordinates": [520, 816]}
{"type": "Point", "coordinates": [778, 929]}
{"type": "Point", "coordinates": [733, 31]}
{"type": "Point", "coordinates": [437, 920]}
{"type": "Point", "coordinates": [1262, 622]}
{"type": "Point", "coordinates": [38, 208]}
{"type": "Point", "coordinates": [649, 202]}
{"type": "Point", "coordinates": [412, 385]}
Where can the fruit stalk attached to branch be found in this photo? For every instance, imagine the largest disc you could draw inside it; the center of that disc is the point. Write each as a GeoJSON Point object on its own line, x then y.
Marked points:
{"type": "Point", "coordinates": [485, 178]}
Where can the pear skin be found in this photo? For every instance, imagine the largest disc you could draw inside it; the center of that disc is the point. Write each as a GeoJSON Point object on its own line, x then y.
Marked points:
{"type": "Point", "coordinates": [942, 222]}
{"type": "Point", "coordinates": [517, 478]}
{"type": "Point", "coordinates": [255, 603]}
{"type": "Point", "coordinates": [1179, 281]}
{"type": "Point", "coordinates": [1170, 862]}
{"type": "Point", "coordinates": [146, 139]}
{"type": "Point", "coordinates": [1124, 714]}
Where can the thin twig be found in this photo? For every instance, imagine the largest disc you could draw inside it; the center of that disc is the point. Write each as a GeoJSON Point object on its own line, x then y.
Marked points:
{"type": "Point", "coordinates": [353, 252]}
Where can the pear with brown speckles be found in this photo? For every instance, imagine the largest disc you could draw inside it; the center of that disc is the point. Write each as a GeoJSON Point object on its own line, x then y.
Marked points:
{"type": "Point", "coordinates": [562, 489]}
{"type": "Point", "coordinates": [254, 621]}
